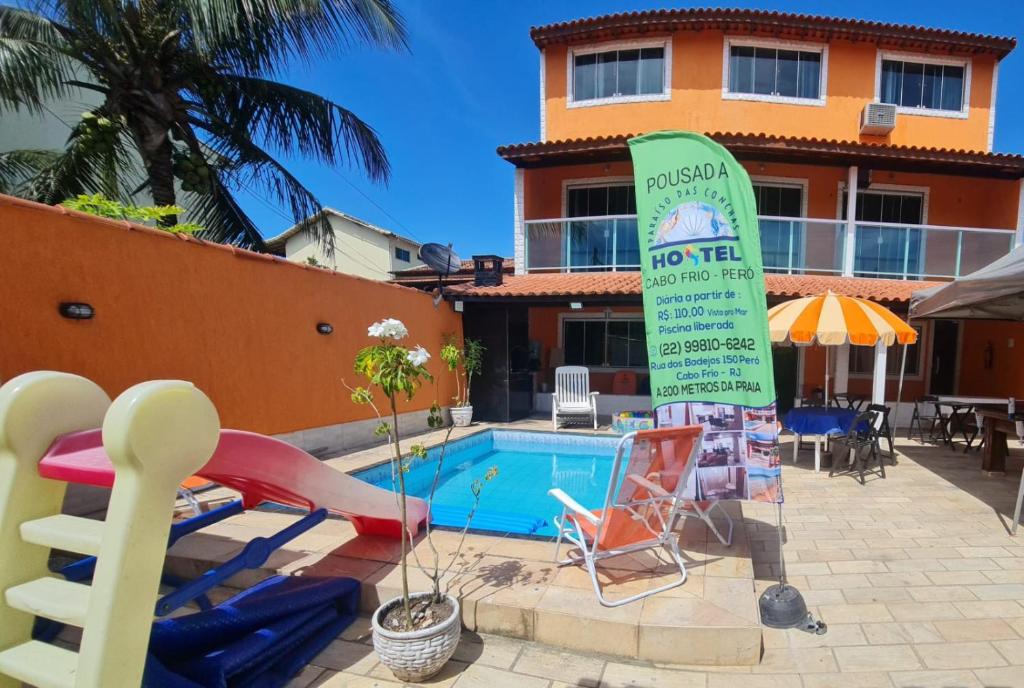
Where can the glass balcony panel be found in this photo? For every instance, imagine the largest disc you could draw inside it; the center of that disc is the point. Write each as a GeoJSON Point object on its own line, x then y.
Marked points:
{"type": "Point", "coordinates": [939, 253]}
{"type": "Point", "coordinates": [981, 248]}
{"type": "Point", "coordinates": [545, 246]}
{"type": "Point", "coordinates": [887, 252]}
{"type": "Point", "coordinates": [799, 246]}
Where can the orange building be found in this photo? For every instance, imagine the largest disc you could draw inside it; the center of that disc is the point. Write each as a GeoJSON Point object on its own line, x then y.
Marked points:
{"type": "Point", "coordinates": [870, 149]}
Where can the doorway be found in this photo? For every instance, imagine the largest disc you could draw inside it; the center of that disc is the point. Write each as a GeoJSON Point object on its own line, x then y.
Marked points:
{"type": "Point", "coordinates": [785, 363]}
{"type": "Point", "coordinates": [945, 340]}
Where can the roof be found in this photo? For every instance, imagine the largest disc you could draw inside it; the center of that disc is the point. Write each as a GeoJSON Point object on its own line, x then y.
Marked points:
{"type": "Point", "coordinates": [424, 275]}
{"type": "Point", "coordinates": [765, 147]}
{"type": "Point", "coordinates": [277, 242]}
{"type": "Point", "coordinates": [626, 286]}
{"type": "Point", "coordinates": [803, 26]}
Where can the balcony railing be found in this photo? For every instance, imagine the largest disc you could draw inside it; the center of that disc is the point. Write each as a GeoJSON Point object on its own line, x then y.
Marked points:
{"type": "Point", "coordinates": [788, 245]}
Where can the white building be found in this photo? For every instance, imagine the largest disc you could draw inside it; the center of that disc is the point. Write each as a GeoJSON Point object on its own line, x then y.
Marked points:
{"type": "Point", "coordinates": [360, 248]}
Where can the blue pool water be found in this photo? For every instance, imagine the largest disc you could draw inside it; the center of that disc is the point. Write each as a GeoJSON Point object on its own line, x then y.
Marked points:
{"type": "Point", "coordinates": [516, 501]}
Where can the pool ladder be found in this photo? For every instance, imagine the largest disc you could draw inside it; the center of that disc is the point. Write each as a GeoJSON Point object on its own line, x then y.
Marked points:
{"type": "Point", "coordinates": [156, 434]}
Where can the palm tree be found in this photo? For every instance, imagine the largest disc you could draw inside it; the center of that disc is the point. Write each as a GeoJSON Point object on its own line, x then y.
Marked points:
{"type": "Point", "coordinates": [187, 89]}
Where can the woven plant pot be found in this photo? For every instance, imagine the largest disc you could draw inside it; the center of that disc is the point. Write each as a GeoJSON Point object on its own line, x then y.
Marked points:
{"type": "Point", "coordinates": [416, 655]}
{"type": "Point", "coordinates": [462, 416]}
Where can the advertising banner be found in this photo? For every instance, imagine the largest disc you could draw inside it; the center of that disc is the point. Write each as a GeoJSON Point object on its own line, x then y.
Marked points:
{"type": "Point", "coordinates": [705, 311]}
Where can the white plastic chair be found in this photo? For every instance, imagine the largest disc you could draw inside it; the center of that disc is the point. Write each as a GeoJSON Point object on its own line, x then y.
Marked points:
{"type": "Point", "coordinates": [572, 395]}
{"type": "Point", "coordinates": [641, 513]}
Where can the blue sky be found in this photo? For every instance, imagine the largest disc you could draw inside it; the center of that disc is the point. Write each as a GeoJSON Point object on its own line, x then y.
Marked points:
{"type": "Point", "coordinates": [469, 83]}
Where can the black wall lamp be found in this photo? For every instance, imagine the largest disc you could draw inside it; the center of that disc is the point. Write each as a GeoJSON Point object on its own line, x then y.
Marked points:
{"type": "Point", "coordinates": [76, 311]}
{"type": "Point", "coordinates": [324, 328]}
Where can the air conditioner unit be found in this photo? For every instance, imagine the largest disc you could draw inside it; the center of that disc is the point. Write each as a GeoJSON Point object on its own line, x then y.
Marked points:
{"type": "Point", "coordinates": [878, 119]}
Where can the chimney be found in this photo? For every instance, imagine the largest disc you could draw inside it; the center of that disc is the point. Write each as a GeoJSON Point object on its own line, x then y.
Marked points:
{"type": "Point", "coordinates": [487, 270]}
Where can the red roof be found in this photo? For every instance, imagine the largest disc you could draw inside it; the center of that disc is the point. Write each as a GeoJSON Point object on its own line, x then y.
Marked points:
{"type": "Point", "coordinates": [805, 26]}
{"type": "Point", "coordinates": [627, 284]}
{"type": "Point", "coordinates": [765, 147]}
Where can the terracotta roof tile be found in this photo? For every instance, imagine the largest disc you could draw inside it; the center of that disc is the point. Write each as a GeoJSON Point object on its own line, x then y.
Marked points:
{"type": "Point", "coordinates": [618, 284]}
{"type": "Point", "coordinates": [747, 20]}
{"type": "Point", "coordinates": [765, 146]}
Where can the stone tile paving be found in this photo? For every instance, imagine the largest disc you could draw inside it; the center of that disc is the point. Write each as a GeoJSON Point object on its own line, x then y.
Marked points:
{"type": "Point", "coordinates": [916, 575]}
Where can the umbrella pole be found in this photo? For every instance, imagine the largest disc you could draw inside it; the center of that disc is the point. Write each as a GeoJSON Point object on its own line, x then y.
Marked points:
{"type": "Point", "coordinates": [826, 377]}
{"type": "Point", "coordinates": [899, 389]}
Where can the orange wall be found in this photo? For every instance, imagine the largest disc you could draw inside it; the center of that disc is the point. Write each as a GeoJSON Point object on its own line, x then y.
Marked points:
{"type": "Point", "coordinates": [1005, 377]}
{"type": "Point", "coordinates": [953, 201]}
{"type": "Point", "coordinates": [241, 326]}
{"type": "Point", "coordinates": [544, 329]}
{"type": "Point", "coordinates": [697, 103]}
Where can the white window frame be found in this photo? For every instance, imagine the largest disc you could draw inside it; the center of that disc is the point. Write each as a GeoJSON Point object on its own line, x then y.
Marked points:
{"type": "Point", "coordinates": [923, 347]}
{"type": "Point", "coordinates": [744, 42]}
{"type": "Point", "coordinates": [598, 317]}
{"type": "Point", "coordinates": [919, 58]}
{"type": "Point", "coordinates": [903, 189]}
{"type": "Point", "coordinates": [801, 183]}
{"type": "Point", "coordinates": [570, 64]}
{"type": "Point", "coordinates": [591, 182]}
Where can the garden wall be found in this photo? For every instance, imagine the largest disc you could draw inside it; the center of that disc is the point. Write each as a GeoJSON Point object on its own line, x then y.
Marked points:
{"type": "Point", "coordinates": [241, 326]}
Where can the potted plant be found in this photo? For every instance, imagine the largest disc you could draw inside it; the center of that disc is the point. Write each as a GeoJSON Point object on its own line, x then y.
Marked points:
{"type": "Point", "coordinates": [414, 634]}
{"type": "Point", "coordinates": [467, 360]}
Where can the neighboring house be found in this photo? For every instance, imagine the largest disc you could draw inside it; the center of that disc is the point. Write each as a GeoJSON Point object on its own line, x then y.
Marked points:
{"type": "Point", "coordinates": [359, 248]}
{"type": "Point", "coordinates": [425, 278]}
{"type": "Point", "coordinates": [870, 149]}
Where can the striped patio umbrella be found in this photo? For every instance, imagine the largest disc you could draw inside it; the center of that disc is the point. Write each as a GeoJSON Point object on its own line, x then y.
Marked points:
{"type": "Point", "coordinates": [833, 320]}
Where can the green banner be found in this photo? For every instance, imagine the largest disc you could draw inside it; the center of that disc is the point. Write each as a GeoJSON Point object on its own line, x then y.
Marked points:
{"type": "Point", "coordinates": [705, 312]}
{"type": "Point", "coordinates": [703, 283]}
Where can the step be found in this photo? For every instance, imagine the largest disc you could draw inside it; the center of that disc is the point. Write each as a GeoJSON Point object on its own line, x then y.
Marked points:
{"type": "Point", "coordinates": [69, 533]}
{"type": "Point", "coordinates": [52, 598]}
{"type": "Point", "coordinates": [40, 664]}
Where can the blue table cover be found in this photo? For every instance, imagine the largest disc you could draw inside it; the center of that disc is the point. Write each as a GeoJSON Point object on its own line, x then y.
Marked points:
{"type": "Point", "coordinates": [818, 420]}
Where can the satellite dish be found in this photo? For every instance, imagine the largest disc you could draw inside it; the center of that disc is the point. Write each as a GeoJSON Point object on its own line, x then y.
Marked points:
{"type": "Point", "coordinates": [440, 258]}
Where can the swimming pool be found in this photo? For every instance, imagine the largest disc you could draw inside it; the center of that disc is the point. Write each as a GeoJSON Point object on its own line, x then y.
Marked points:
{"type": "Point", "coordinates": [516, 501]}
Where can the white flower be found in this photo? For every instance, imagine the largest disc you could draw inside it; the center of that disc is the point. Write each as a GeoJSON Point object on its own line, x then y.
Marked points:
{"type": "Point", "coordinates": [390, 328]}
{"type": "Point", "coordinates": [418, 356]}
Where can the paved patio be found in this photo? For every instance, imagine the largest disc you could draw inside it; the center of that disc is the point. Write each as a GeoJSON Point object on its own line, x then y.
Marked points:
{"type": "Point", "coordinates": [916, 575]}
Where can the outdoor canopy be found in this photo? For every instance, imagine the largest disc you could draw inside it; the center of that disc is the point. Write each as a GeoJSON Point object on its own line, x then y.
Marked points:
{"type": "Point", "coordinates": [833, 320]}
{"type": "Point", "coordinates": [995, 292]}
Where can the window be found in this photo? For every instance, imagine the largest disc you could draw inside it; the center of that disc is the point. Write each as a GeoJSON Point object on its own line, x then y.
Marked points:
{"type": "Point", "coordinates": [635, 73]}
{"type": "Point", "coordinates": [402, 254]}
{"type": "Point", "coordinates": [862, 359]}
{"type": "Point", "coordinates": [781, 240]}
{"type": "Point", "coordinates": [775, 72]}
{"type": "Point", "coordinates": [883, 250]}
{"type": "Point", "coordinates": [611, 343]}
{"type": "Point", "coordinates": [923, 85]}
{"type": "Point", "coordinates": [598, 244]}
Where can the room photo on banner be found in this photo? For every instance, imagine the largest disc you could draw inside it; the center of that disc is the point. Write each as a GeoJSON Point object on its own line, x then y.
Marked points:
{"type": "Point", "coordinates": [705, 311]}
{"type": "Point", "coordinates": [739, 454]}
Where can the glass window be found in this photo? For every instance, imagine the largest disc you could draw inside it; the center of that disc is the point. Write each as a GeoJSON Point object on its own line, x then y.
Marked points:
{"type": "Point", "coordinates": [922, 85]}
{"type": "Point", "coordinates": [884, 251]}
{"type": "Point", "coordinates": [775, 72]}
{"type": "Point", "coordinates": [781, 240]}
{"type": "Point", "coordinates": [590, 201]}
{"type": "Point", "coordinates": [862, 358]}
{"type": "Point", "coordinates": [402, 254]}
{"type": "Point", "coordinates": [618, 73]}
{"type": "Point", "coordinates": [615, 343]}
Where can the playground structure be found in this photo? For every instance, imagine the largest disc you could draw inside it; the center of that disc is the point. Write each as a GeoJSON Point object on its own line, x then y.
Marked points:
{"type": "Point", "coordinates": [57, 428]}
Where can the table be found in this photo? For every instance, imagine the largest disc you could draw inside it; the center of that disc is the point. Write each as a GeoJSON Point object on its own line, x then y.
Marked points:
{"type": "Point", "coordinates": [819, 422]}
{"type": "Point", "coordinates": [996, 425]}
{"type": "Point", "coordinates": [963, 405]}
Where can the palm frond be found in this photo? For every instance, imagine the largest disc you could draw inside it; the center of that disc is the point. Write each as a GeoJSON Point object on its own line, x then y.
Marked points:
{"type": "Point", "coordinates": [259, 36]}
{"type": "Point", "coordinates": [33, 66]}
{"type": "Point", "coordinates": [17, 167]}
{"type": "Point", "coordinates": [297, 121]}
{"type": "Point", "coordinates": [222, 217]}
{"type": "Point", "coordinates": [242, 163]}
{"type": "Point", "coordinates": [81, 169]}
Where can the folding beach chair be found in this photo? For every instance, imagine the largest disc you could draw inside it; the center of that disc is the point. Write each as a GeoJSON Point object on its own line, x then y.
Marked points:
{"type": "Point", "coordinates": [640, 510]}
